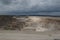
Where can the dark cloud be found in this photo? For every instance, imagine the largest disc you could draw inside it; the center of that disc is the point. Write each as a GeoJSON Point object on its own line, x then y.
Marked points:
{"type": "Point", "coordinates": [5, 2]}
{"type": "Point", "coordinates": [30, 7]}
{"type": "Point", "coordinates": [56, 14]}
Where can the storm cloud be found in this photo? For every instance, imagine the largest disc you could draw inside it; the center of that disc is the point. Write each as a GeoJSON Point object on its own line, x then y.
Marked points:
{"type": "Point", "coordinates": [30, 7]}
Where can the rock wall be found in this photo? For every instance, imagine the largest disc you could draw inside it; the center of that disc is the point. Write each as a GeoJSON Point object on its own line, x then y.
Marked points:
{"type": "Point", "coordinates": [43, 24]}
{"type": "Point", "coordinates": [30, 23]}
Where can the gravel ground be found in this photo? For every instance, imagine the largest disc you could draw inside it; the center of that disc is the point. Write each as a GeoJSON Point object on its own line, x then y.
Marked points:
{"type": "Point", "coordinates": [19, 35]}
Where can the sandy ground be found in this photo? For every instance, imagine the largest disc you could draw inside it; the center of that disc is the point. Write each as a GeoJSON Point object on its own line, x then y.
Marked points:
{"type": "Point", "coordinates": [19, 35]}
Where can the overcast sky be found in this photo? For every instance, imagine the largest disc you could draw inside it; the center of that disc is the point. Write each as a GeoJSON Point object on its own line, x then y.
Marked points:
{"type": "Point", "coordinates": [30, 6]}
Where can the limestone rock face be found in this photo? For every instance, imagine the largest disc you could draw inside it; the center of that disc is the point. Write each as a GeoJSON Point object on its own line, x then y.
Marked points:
{"type": "Point", "coordinates": [43, 24]}
{"type": "Point", "coordinates": [30, 23]}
